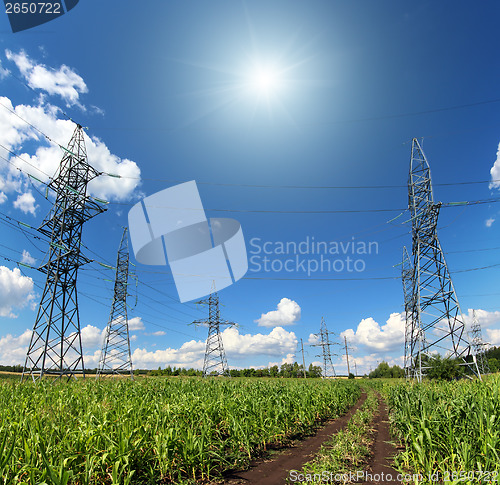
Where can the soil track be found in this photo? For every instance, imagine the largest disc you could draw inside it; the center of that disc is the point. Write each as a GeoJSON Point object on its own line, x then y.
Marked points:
{"type": "Point", "coordinates": [379, 466]}
{"type": "Point", "coordinates": [275, 470]}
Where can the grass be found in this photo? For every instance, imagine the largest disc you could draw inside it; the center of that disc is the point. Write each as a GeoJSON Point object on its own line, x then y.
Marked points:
{"type": "Point", "coordinates": [154, 430]}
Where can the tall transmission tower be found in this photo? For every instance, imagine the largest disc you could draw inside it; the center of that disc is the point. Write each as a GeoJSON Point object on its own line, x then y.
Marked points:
{"type": "Point", "coordinates": [55, 347]}
{"type": "Point", "coordinates": [411, 337]}
{"type": "Point", "coordinates": [325, 344]}
{"type": "Point", "coordinates": [116, 358]}
{"type": "Point", "coordinates": [436, 319]}
{"type": "Point", "coordinates": [479, 345]}
{"type": "Point", "coordinates": [215, 362]}
{"type": "Point", "coordinates": [347, 356]}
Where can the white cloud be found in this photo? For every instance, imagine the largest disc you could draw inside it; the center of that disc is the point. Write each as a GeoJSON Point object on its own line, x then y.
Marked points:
{"type": "Point", "coordinates": [3, 197]}
{"type": "Point", "coordinates": [64, 82]}
{"type": "Point", "coordinates": [484, 317]}
{"type": "Point", "coordinates": [13, 349]}
{"type": "Point", "coordinates": [380, 338]}
{"type": "Point", "coordinates": [287, 313]}
{"type": "Point", "coordinates": [489, 222]}
{"type": "Point", "coordinates": [493, 336]}
{"type": "Point", "coordinates": [27, 258]}
{"type": "Point", "coordinates": [3, 72]}
{"type": "Point", "coordinates": [289, 359]}
{"type": "Point", "coordinates": [495, 171]}
{"type": "Point", "coordinates": [279, 342]}
{"type": "Point", "coordinates": [44, 162]}
{"type": "Point", "coordinates": [26, 203]}
{"type": "Point", "coordinates": [135, 324]}
{"type": "Point", "coordinates": [313, 339]}
{"type": "Point", "coordinates": [92, 336]}
{"type": "Point", "coordinates": [157, 334]}
{"type": "Point", "coordinates": [16, 291]}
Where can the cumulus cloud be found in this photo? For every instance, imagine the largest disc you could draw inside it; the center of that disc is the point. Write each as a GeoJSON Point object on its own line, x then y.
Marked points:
{"type": "Point", "coordinates": [13, 349]}
{"type": "Point", "coordinates": [159, 333]}
{"type": "Point", "coordinates": [489, 222]}
{"type": "Point", "coordinates": [289, 359]}
{"type": "Point", "coordinates": [380, 338]}
{"type": "Point", "coordinates": [41, 157]}
{"type": "Point", "coordinates": [484, 317]}
{"type": "Point", "coordinates": [26, 203]}
{"type": "Point", "coordinates": [135, 324]}
{"type": "Point", "coordinates": [16, 291]}
{"type": "Point", "coordinates": [495, 171]}
{"type": "Point", "coordinates": [92, 336]}
{"type": "Point", "coordinates": [279, 342]}
{"type": "Point", "coordinates": [27, 258]}
{"type": "Point", "coordinates": [63, 82]}
{"type": "Point", "coordinates": [313, 339]}
{"type": "Point", "coordinates": [493, 336]}
{"type": "Point", "coordinates": [44, 162]}
{"type": "Point", "coordinates": [286, 313]}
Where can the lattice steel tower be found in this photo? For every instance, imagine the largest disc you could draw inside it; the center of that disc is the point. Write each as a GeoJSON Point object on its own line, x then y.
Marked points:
{"type": "Point", "coordinates": [55, 347]}
{"type": "Point", "coordinates": [215, 362]}
{"type": "Point", "coordinates": [479, 345]}
{"type": "Point", "coordinates": [116, 358]}
{"type": "Point", "coordinates": [325, 344]}
{"type": "Point", "coordinates": [437, 321]}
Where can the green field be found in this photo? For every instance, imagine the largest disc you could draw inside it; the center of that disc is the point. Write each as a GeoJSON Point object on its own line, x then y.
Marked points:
{"type": "Point", "coordinates": [157, 430]}
{"type": "Point", "coordinates": [452, 428]}
{"type": "Point", "coordinates": [187, 430]}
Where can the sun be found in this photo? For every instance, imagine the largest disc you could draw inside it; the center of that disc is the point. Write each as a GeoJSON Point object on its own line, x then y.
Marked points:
{"type": "Point", "coordinates": [265, 81]}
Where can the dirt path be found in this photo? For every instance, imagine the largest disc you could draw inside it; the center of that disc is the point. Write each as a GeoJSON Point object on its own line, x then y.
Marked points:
{"type": "Point", "coordinates": [379, 470]}
{"type": "Point", "coordinates": [275, 470]}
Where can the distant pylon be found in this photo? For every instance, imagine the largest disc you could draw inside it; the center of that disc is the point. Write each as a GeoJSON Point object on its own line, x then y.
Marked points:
{"type": "Point", "coordinates": [55, 347]}
{"type": "Point", "coordinates": [215, 362]}
{"type": "Point", "coordinates": [438, 323]}
{"type": "Point", "coordinates": [116, 358]}
{"type": "Point", "coordinates": [478, 345]}
{"type": "Point", "coordinates": [325, 344]}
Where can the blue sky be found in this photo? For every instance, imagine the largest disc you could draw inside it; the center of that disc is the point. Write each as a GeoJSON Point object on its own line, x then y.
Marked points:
{"type": "Point", "coordinates": [168, 93]}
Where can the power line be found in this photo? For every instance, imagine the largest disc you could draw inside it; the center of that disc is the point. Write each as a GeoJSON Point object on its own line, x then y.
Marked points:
{"type": "Point", "coordinates": [266, 186]}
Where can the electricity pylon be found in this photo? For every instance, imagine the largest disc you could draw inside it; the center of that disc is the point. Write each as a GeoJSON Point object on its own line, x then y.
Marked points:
{"type": "Point", "coordinates": [411, 332]}
{"type": "Point", "coordinates": [56, 347]}
{"type": "Point", "coordinates": [215, 362]}
{"type": "Point", "coordinates": [437, 321]}
{"type": "Point", "coordinates": [479, 345]}
{"type": "Point", "coordinates": [325, 344]}
{"type": "Point", "coordinates": [116, 358]}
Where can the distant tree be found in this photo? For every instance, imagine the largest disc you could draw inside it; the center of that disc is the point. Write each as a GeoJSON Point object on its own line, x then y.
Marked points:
{"type": "Point", "coordinates": [274, 371]}
{"type": "Point", "coordinates": [494, 364]}
{"type": "Point", "coordinates": [385, 371]}
{"type": "Point", "coordinates": [443, 369]}
{"type": "Point", "coordinates": [397, 371]}
{"type": "Point", "coordinates": [493, 353]}
{"type": "Point", "coordinates": [351, 375]}
{"type": "Point", "coordinates": [314, 371]}
{"type": "Point", "coordinates": [286, 370]}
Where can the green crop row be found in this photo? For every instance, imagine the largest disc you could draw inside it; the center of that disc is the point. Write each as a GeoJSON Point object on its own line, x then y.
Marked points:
{"type": "Point", "coordinates": [448, 427]}
{"type": "Point", "coordinates": [154, 430]}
